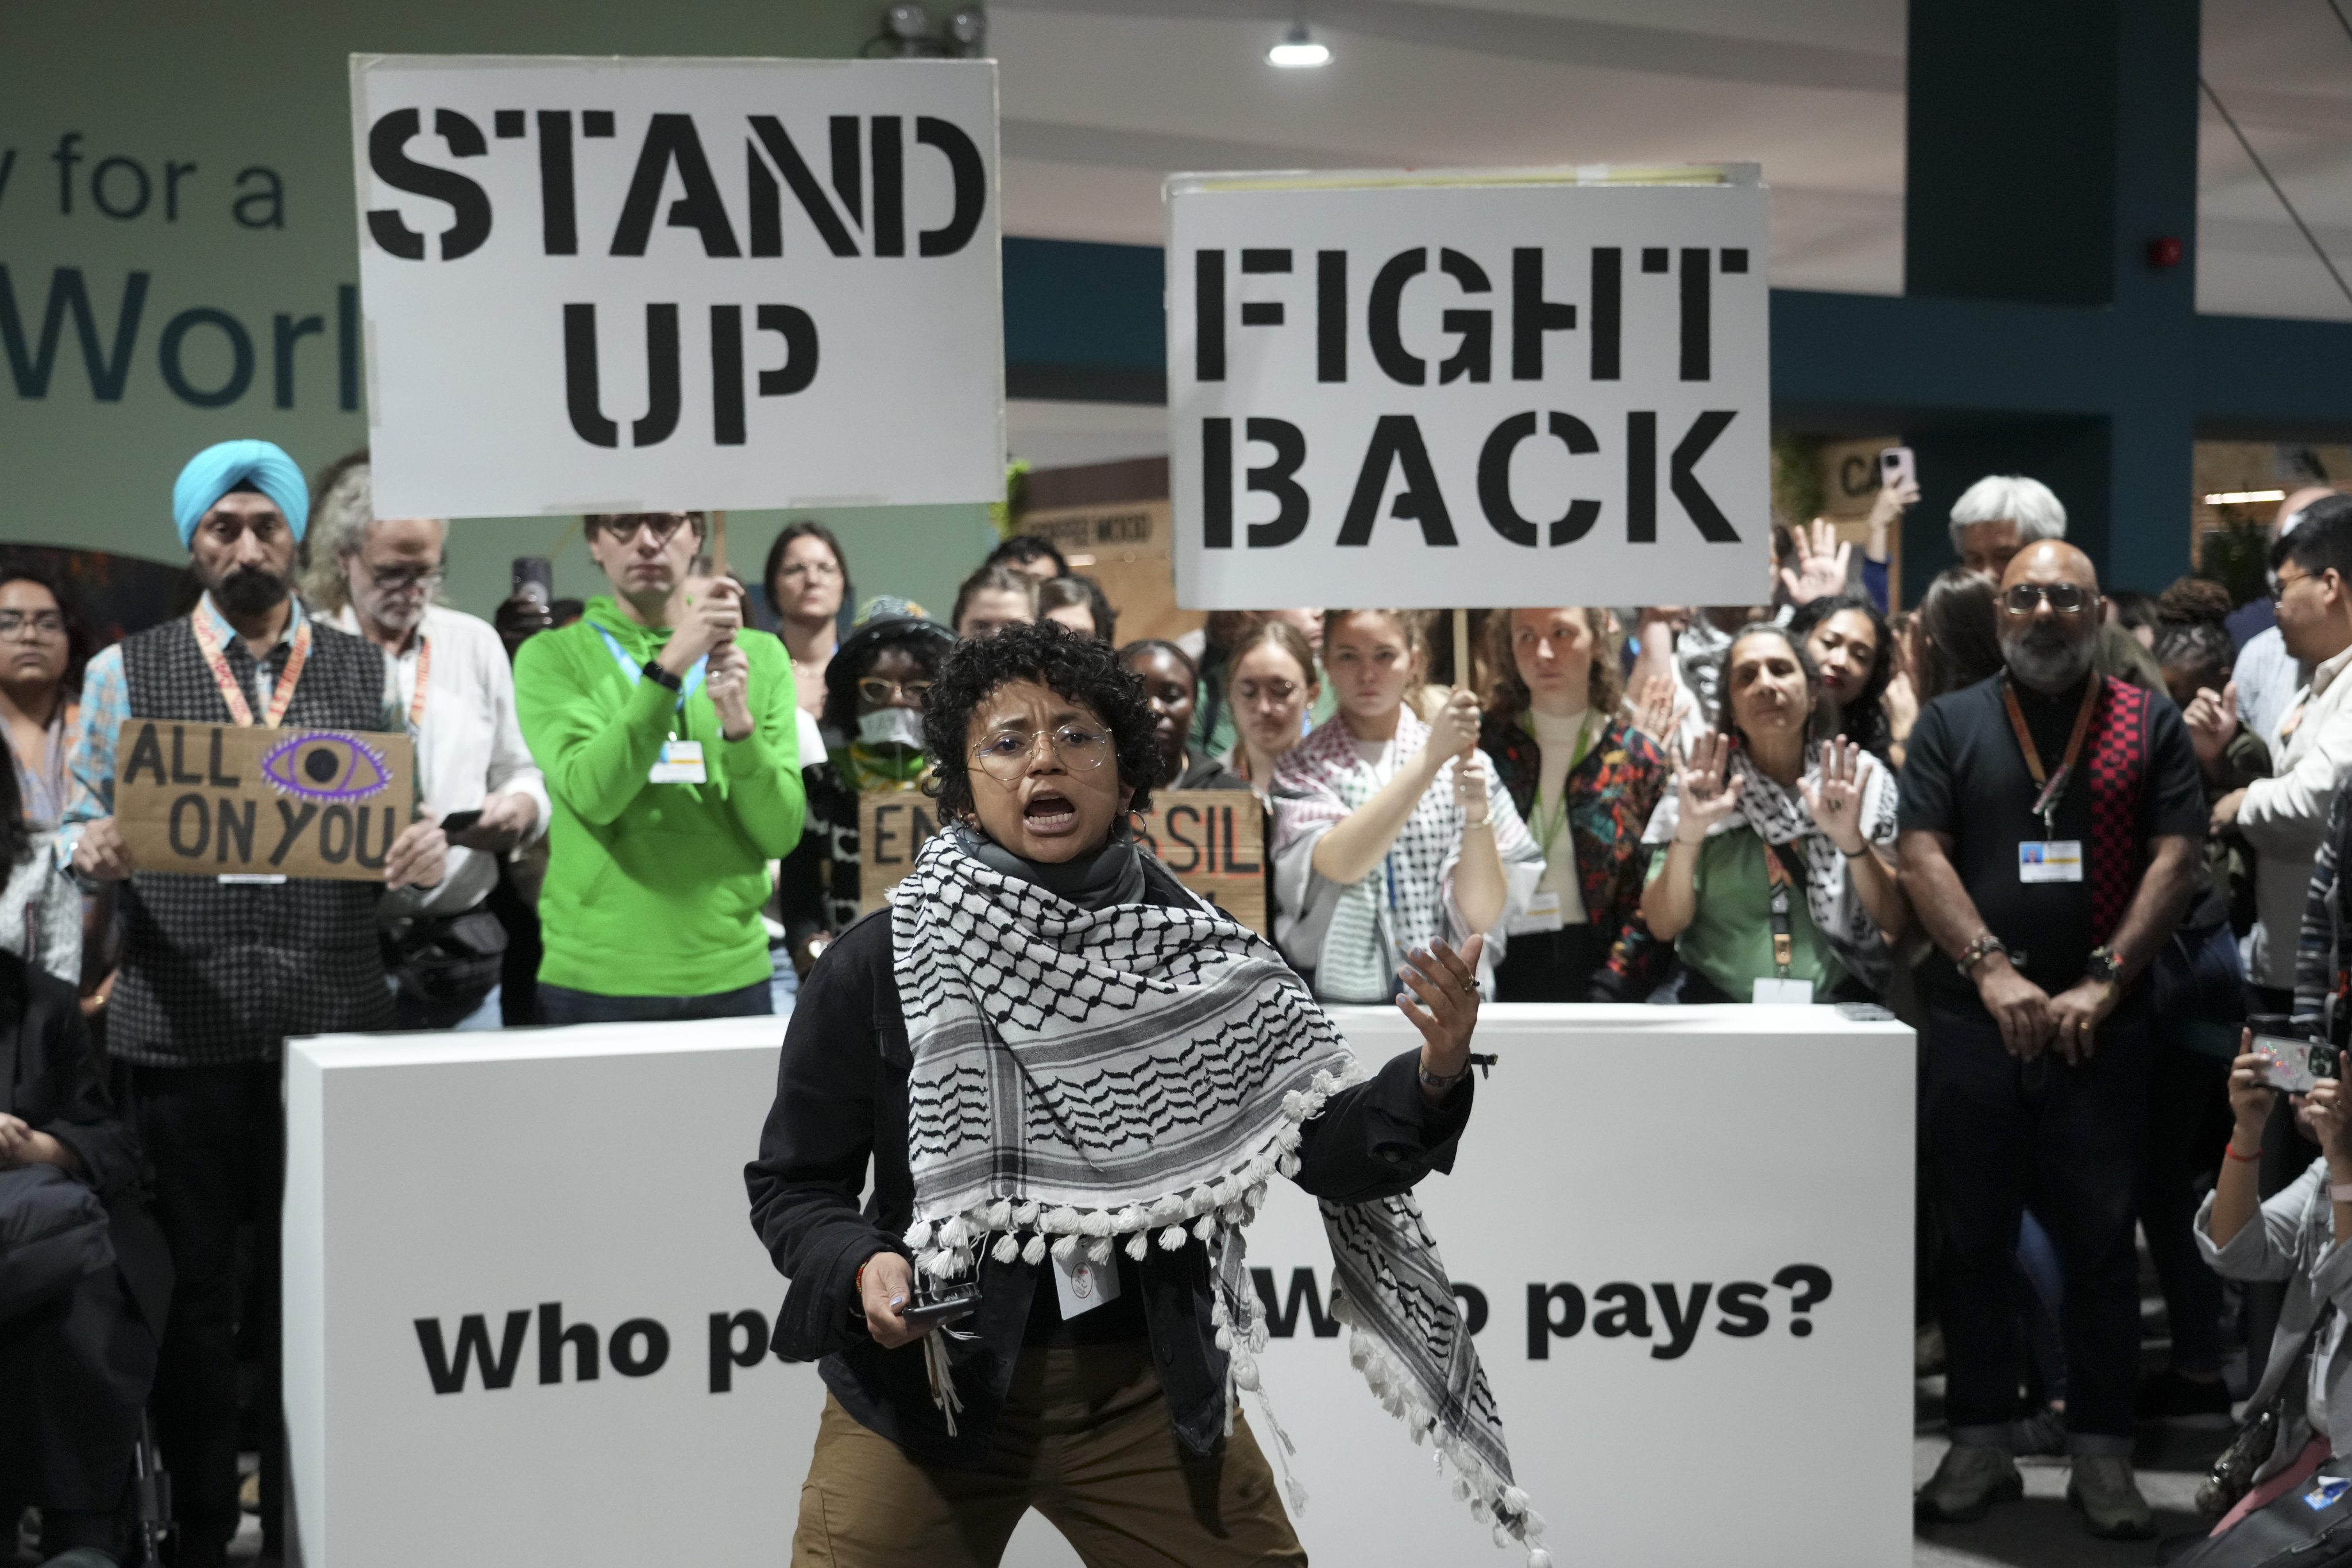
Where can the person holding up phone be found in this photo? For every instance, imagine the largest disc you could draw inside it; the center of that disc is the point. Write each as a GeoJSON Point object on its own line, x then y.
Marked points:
{"type": "Point", "coordinates": [669, 734]}
{"type": "Point", "coordinates": [2297, 1238]}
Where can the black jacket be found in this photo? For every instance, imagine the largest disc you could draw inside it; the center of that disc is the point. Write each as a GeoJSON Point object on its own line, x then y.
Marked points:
{"type": "Point", "coordinates": [49, 1079]}
{"type": "Point", "coordinates": [841, 1101]}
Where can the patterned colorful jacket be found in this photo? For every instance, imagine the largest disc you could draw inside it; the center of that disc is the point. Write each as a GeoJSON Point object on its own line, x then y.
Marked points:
{"type": "Point", "coordinates": [1610, 794]}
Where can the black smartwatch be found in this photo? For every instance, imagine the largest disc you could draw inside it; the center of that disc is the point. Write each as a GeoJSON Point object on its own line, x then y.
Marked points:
{"type": "Point", "coordinates": [660, 677]}
{"type": "Point", "coordinates": [2104, 966]}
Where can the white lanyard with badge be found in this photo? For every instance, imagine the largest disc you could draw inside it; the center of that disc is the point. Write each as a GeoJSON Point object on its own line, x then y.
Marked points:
{"type": "Point", "coordinates": [680, 761]}
{"type": "Point", "coordinates": [2051, 858]}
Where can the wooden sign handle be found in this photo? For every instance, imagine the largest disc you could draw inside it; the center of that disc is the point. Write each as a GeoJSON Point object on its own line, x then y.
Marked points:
{"type": "Point", "coordinates": [1462, 650]}
{"type": "Point", "coordinates": [719, 543]}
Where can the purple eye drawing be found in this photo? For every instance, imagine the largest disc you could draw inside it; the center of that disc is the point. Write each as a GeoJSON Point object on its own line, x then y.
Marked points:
{"type": "Point", "coordinates": [326, 766]}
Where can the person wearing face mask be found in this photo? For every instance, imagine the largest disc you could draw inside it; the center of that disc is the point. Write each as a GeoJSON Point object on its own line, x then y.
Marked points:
{"type": "Point", "coordinates": [955, 1047]}
{"type": "Point", "coordinates": [1171, 686]}
{"type": "Point", "coordinates": [1585, 781]}
{"type": "Point", "coordinates": [1771, 870]}
{"type": "Point", "coordinates": [376, 578]}
{"type": "Point", "coordinates": [215, 973]}
{"type": "Point", "coordinates": [1847, 637]}
{"type": "Point", "coordinates": [669, 734]}
{"type": "Point", "coordinates": [2052, 820]}
{"type": "Point", "coordinates": [1387, 832]}
{"type": "Point", "coordinates": [873, 740]}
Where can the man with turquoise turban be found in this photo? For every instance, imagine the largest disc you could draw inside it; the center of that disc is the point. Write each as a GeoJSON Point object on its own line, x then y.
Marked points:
{"type": "Point", "coordinates": [217, 972]}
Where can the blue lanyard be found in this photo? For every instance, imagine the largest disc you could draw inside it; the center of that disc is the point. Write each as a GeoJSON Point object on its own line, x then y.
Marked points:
{"type": "Point", "coordinates": [636, 673]}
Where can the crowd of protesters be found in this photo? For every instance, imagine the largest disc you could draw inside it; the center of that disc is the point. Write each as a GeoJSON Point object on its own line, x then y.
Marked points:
{"type": "Point", "coordinates": [2079, 840]}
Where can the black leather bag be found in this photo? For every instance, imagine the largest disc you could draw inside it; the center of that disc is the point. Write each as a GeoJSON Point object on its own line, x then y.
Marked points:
{"type": "Point", "coordinates": [2310, 1526]}
{"type": "Point", "coordinates": [450, 960]}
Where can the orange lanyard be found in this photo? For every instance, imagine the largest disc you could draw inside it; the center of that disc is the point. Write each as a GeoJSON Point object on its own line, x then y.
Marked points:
{"type": "Point", "coordinates": [424, 674]}
{"type": "Point", "coordinates": [240, 711]}
{"type": "Point", "coordinates": [2052, 786]}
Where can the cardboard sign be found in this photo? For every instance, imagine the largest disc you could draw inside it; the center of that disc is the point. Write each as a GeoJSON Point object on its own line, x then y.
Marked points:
{"type": "Point", "coordinates": [218, 800]}
{"type": "Point", "coordinates": [1211, 839]}
{"type": "Point", "coordinates": [1502, 388]}
{"type": "Point", "coordinates": [611, 285]}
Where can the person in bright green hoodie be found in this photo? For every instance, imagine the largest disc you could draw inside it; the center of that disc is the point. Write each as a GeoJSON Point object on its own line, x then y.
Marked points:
{"type": "Point", "coordinates": [666, 732]}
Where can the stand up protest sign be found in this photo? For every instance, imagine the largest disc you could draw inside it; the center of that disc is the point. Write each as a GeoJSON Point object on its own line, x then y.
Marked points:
{"type": "Point", "coordinates": [230, 800]}
{"type": "Point", "coordinates": [1502, 388]}
{"type": "Point", "coordinates": [619, 285]}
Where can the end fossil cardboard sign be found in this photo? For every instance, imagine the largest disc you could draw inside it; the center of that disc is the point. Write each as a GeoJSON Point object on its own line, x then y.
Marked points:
{"type": "Point", "coordinates": [220, 800]}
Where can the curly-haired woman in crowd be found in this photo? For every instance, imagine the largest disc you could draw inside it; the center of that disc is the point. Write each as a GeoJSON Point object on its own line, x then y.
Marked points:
{"type": "Point", "coordinates": [958, 1045]}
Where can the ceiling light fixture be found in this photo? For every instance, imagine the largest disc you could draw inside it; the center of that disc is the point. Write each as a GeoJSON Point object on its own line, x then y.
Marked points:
{"type": "Point", "coordinates": [2244, 498]}
{"type": "Point", "coordinates": [1299, 50]}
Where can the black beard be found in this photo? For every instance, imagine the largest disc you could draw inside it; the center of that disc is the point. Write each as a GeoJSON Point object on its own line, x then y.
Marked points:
{"type": "Point", "coordinates": [250, 590]}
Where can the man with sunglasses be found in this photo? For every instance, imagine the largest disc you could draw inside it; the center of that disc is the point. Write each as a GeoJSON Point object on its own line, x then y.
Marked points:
{"type": "Point", "coordinates": [668, 732]}
{"type": "Point", "coordinates": [2050, 827]}
{"type": "Point", "coordinates": [2285, 816]}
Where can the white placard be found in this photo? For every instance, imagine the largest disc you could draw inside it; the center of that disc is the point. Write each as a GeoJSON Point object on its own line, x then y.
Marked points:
{"type": "Point", "coordinates": [606, 285]}
{"type": "Point", "coordinates": [541, 1202]}
{"type": "Point", "coordinates": [1497, 388]}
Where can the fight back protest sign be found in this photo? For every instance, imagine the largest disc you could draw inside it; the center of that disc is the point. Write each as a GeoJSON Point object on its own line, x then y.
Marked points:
{"type": "Point", "coordinates": [614, 285]}
{"type": "Point", "coordinates": [225, 800]}
{"type": "Point", "coordinates": [1210, 839]}
{"type": "Point", "coordinates": [1509, 387]}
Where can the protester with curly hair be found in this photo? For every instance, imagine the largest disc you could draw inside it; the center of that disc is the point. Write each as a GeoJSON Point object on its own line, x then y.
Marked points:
{"type": "Point", "coordinates": [956, 1047]}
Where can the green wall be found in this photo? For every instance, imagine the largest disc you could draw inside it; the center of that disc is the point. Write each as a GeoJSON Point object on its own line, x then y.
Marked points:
{"type": "Point", "coordinates": [260, 231]}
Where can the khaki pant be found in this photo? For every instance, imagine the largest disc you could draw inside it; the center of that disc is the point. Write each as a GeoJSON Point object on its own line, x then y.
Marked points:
{"type": "Point", "coordinates": [1084, 1439]}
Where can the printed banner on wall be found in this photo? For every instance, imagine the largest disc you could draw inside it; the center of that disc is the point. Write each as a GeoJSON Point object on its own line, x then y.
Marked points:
{"type": "Point", "coordinates": [1502, 387]}
{"type": "Point", "coordinates": [609, 285]}
{"type": "Point", "coordinates": [230, 800]}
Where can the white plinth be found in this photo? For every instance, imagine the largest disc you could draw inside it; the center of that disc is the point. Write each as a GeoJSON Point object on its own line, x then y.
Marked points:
{"type": "Point", "coordinates": [1670, 1150]}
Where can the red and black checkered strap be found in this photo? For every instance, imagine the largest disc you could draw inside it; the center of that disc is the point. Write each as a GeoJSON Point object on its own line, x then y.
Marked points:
{"type": "Point", "coordinates": [2118, 765]}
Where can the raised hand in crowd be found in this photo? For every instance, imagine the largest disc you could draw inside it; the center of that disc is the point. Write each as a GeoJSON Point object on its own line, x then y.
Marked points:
{"type": "Point", "coordinates": [102, 855]}
{"type": "Point", "coordinates": [2212, 719]}
{"type": "Point", "coordinates": [2325, 1114]}
{"type": "Point", "coordinates": [419, 856]}
{"type": "Point", "coordinates": [518, 618]}
{"type": "Point", "coordinates": [1471, 788]}
{"type": "Point", "coordinates": [1657, 709]}
{"type": "Point", "coordinates": [1821, 563]}
{"type": "Point", "coordinates": [1453, 729]}
{"type": "Point", "coordinates": [507, 819]}
{"type": "Point", "coordinates": [1886, 509]}
{"type": "Point", "coordinates": [1704, 795]}
{"type": "Point", "coordinates": [709, 613]}
{"type": "Point", "coordinates": [1901, 702]}
{"type": "Point", "coordinates": [729, 677]}
{"type": "Point", "coordinates": [1833, 796]}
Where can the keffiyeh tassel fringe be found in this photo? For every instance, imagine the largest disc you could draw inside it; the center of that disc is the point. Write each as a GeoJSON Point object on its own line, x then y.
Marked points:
{"type": "Point", "coordinates": [1007, 1228]}
{"type": "Point", "coordinates": [1491, 1497]}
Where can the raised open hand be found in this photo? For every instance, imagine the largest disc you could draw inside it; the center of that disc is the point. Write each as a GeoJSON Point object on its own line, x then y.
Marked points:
{"type": "Point", "coordinates": [1821, 564]}
{"type": "Point", "coordinates": [1658, 708]}
{"type": "Point", "coordinates": [1704, 797]}
{"type": "Point", "coordinates": [1834, 795]}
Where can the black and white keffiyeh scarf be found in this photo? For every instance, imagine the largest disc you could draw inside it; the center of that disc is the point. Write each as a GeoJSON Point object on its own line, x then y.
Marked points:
{"type": "Point", "coordinates": [1133, 1075]}
{"type": "Point", "coordinates": [1776, 814]}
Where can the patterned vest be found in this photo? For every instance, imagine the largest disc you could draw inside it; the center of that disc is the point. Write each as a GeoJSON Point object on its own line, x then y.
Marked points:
{"type": "Point", "coordinates": [219, 974]}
